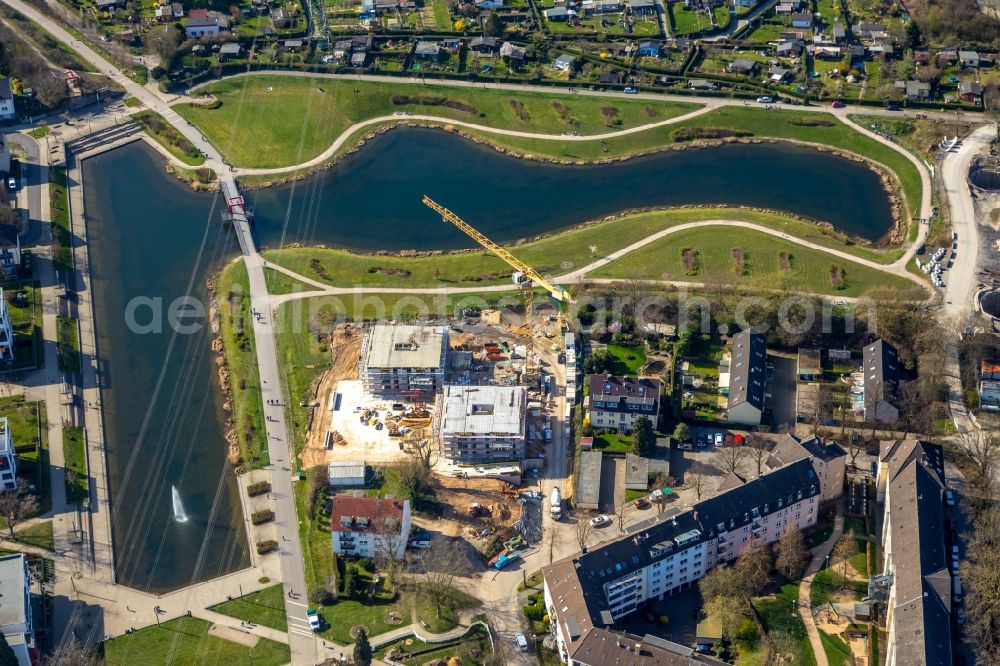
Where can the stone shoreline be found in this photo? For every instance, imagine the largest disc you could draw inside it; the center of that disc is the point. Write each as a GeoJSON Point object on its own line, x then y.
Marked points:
{"type": "Point", "coordinates": [890, 183]}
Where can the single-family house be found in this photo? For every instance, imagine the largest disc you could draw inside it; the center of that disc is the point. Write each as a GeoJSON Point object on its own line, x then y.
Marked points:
{"type": "Point", "coordinates": [866, 29]}
{"type": "Point", "coordinates": [947, 58]}
{"type": "Point", "coordinates": [487, 45]}
{"type": "Point", "coordinates": [641, 7]}
{"type": "Point", "coordinates": [6, 101]}
{"type": "Point", "coordinates": [649, 50]}
{"type": "Point", "coordinates": [177, 9]}
{"type": "Point", "coordinates": [203, 23]}
{"type": "Point", "coordinates": [513, 53]}
{"type": "Point", "coordinates": [839, 33]}
{"type": "Point", "coordinates": [779, 74]}
{"type": "Point", "coordinates": [969, 58]}
{"type": "Point", "coordinates": [790, 49]}
{"type": "Point", "coordinates": [913, 90]}
{"type": "Point", "coordinates": [802, 20]}
{"type": "Point", "coordinates": [884, 48]}
{"type": "Point", "coordinates": [741, 66]}
{"type": "Point", "coordinates": [828, 53]}
{"type": "Point", "coordinates": [785, 9]}
{"type": "Point", "coordinates": [702, 84]}
{"type": "Point", "coordinates": [293, 45]}
{"type": "Point", "coordinates": [858, 53]}
{"type": "Point", "coordinates": [359, 59]}
{"type": "Point", "coordinates": [426, 49]}
{"type": "Point", "coordinates": [558, 13]}
{"type": "Point", "coordinates": [565, 63]}
{"type": "Point", "coordinates": [230, 51]}
{"type": "Point", "coordinates": [970, 92]}
{"type": "Point", "coordinates": [611, 78]}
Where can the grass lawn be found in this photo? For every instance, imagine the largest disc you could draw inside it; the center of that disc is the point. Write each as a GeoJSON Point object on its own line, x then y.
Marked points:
{"type": "Point", "coordinates": [68, 344]}
{"type": "Point", "coordinates": [323, 108]}
{"type": "Point", "coordinates": [27, 424]}
{"type": "Point", "coordinates": [168, 137]}
{"type": "Point", "coordinates": [838, 652]}
{"type": "Point", "coordinates": [75, 457]}
{"type": "Point", "coordinates": [613, 442]}
{"type": "Point", "coordinates": [232, 292]}
{"type": "Point", "coordinates": [750, 258]}
{"type": "Point", "coordinates": [576, 246]}
{"type": "Point", "coordinates": [24, 304]}
{"type": "Point", "coordinates": [186, 641]}
{"type": "Point", "coordinates": [59, 210]}
{"type": "Point", "coordinates": [266, 608]}
{"type": "Point", "coordinates": [827, 583]}
{"type": "Point", "coordinates": [346, 613]}
{"type": "Point", "coordinates": [628, 360]}
{"type": "Point", "coordinates": [38, 535]}
{"type": "Point", "coordinates": [778, 613]}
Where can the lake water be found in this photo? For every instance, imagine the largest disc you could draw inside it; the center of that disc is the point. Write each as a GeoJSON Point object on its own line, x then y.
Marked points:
{"type": "Point", "coordinates": [153, 238]}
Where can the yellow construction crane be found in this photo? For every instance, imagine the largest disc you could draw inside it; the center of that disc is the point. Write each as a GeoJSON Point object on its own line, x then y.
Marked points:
{"type": "Point", "coordinates": [524, 275]}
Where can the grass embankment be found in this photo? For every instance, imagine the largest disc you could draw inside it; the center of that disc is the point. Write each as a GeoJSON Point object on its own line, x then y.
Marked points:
{"type": "Point", "coordinates": [168, 137]}
{"type": "Point", "coordinates": [838, 652]}
{"type": "Point", "coordinates": [186, 641]}
{"type": "Point", "coordinates": [28, 427]}
{"type": "Point", "coordinates": [232, 292]}
{"type": "Point", "coordinates": [38, 535]}
{"type": "Point", "coordinates": [62, 245]}
{"type": "Point", "coordinates": [68, 344]}
{"type": "Point", "coordinates": [470, 649]}
{"type": "Point", "coordinates": [318, 110]}
{"type": "Point", "coordinates": [753, 259]}
{"type": "Point", "coordinates": [75, 460]}
{"type": "Point", "coordinates": [778, 614]}
{"type": "Point", "coordinates": [24, 305]}
{"type": "Point", "coordinates": [266, 608]}
{"type": "Point", "coordinates": [764, 257]}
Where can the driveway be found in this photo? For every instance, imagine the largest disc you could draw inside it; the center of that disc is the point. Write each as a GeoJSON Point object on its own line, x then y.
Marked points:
{"type": "Point", "coordinates": [782, 390]}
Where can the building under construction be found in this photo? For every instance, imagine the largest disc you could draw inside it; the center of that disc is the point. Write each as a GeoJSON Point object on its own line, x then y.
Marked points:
{"type": "Point", "coordinates": [406, 362]}
{"type": "Point", "coordinates": [483, 424]}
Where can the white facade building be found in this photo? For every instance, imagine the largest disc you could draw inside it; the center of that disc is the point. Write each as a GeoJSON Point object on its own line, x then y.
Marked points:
{"type": "Point", "coordinates": [482, 424]}
{"type": "Point", "coordinates": [8, 458]}
{"type": "Point", "coordinates": [6, 100]}
{"type": "Point", "coordinates": [404, 361]}
{"type": "Point", "coordinates": [15, 611]}
{"type": "Point", "coordinates": [369, 526]}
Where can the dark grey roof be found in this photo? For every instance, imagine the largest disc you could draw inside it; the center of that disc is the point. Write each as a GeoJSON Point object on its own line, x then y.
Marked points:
{"type": "Point", "coordinates": [881, 370]}
{"type": "Point", "coordinates": [602, 647]}
{"type": "Point", "coordinates": [735, 508]}
{"type": "Point", "coordinates": [624, 394]}
{"type": "Point", "coordinates": [5, 91]}
{"type": "Point", "coordinates": [747, 369]}
{"type": "Point", "coordinates": [825, 451]}
{"type": "Point", "coordinates": [919, 561]}
{"type": "Point", "coordinates": [491, 42]}
{"type": "Point", "coordinates": [8, 236]}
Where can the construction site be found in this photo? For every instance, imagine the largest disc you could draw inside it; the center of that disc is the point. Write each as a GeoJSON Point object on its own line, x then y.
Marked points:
{"type": "Point", "coordinates": [471, 397]}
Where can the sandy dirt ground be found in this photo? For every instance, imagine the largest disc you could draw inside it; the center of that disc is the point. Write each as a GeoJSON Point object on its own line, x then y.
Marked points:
{"type": "Point", "coordinates": [456, 495]}
{"type": "Point", "coordinates": [345, 347]}
{"type": "Point", "coordinates": [234, 635]}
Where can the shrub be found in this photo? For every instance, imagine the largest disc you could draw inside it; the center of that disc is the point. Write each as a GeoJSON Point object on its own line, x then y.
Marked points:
{"type": "Point", "coordinates": [259, 517]}
{"type": "Point", "coordinates": [158, 72]}
{"type": "Point", "coordinates": [693, 133]}
{"type": "Point", "coordinates": [259, 488]}
{"type": "Point", "coordinates": [266, 547]}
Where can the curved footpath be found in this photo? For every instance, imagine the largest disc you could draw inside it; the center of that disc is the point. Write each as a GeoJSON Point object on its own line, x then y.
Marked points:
{"type": "Point", "coordinates": [896, 268]}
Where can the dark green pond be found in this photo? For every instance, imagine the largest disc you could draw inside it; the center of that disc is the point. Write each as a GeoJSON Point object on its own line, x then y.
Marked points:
{"type": "Point", "coordinates": [152, 238]}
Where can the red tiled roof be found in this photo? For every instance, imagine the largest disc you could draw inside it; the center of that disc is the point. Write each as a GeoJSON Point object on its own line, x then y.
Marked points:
{"type": "Point", "coordinates": [346, 512]}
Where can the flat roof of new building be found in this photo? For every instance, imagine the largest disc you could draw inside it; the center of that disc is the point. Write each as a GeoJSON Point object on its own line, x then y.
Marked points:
{"type": "Point", "coordinates": [402, 346]}
{"type": "Point", "coordinates": [12, 584]}
{"type": "Point", "coordinates": [588, 492]}
{"type": "Point", "coordinates": [484, 410]}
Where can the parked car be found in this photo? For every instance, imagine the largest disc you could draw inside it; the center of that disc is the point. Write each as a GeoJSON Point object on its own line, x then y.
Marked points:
{"type": "Point", "coordinates": [949, 498]}
{"type": "Point", "coordinates": [631, 91]}
{"type": "Point", "coordinates": [12, 184]}
{"type": "Point", "coordinates": [313, 618]}
{"type": "Point", "coordinates": [837, 104]}
{"type": "Point", "coordinates": [766, 99]}
{"type": "Point", "coordinates": [522, 642]}
{"type": "Point", "coordinates": [718, 439]}
{"type": "Point", "coordinates": [600, 521]}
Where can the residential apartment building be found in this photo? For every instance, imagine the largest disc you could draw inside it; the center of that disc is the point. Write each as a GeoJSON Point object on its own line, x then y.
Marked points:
{"type": "Point", "coordinates": [204, 23]}
{"type": "Point", "coordinates": [6, 100]}
{"type": "Point", "coordinates": [6, 333]}
{"type": "Point", "coordinates": [917, 608]}
{"type": "Point", "coordinates": [880, 366]}
{"type": "Point", "coordinates": [609, 648]}
{"type": "Point", "coordinates": [8, 458]}
{"type": "Point", "coordinates": [482, 424]}
{"type": "Point", "coordinates": [747, 377]}
{"type": "Point", "coordinates": [617, 402]}
{"type": "Point", "coordinates": [401, 361]}
{"type": "Point", "coordinates": [369, 526]}
{"type": "Point", "coordinates": [16, 620]}
{"type": "Point", "coordinates": [10, 251]}
{"type": "Point", "coordinates": [828, 458]}
{"type": "Point", "coordinates": [670, 552]}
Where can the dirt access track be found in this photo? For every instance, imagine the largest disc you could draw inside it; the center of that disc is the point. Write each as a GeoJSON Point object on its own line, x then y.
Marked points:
{"type": "Point", "coordinates": [455, 496]}
{"type": "Point", "coordinates": [345, 349]}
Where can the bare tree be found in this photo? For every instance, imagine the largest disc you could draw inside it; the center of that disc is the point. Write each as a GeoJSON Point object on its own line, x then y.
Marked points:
{"type": "Point", "coordinates": [791, 554]}
{"type": "Point", "coordinates": [756, 450]}
{"type": "Point", "coordinates": [697, 481]}
{"type": "Point", "coordinates": [438, 582]}
{"type": "Point", "coordinates": [727, 611]}
{"type": "Point", "coordinates": [983, 449]}
{"type": "Point", "coordinates": [71, 653]}
{"type": "Point", "coordinates": [730, 459]}
{"type": "Point", "coordinates": [17, 505]}
{"type": "Point", "coordinates": [620, 513]}
{"type": "Point", "coordinates": [754, 565]}
{"type": "Point", "coordinates": [553, 540]}
{"type": "Point", "coordinates": [845, 549]}
{"type": "Point", "coordinates": [583, 530]}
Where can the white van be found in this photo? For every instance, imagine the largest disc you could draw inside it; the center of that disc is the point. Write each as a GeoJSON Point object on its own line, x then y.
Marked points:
{"type": "Point", "coordinates": [522, 642]}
